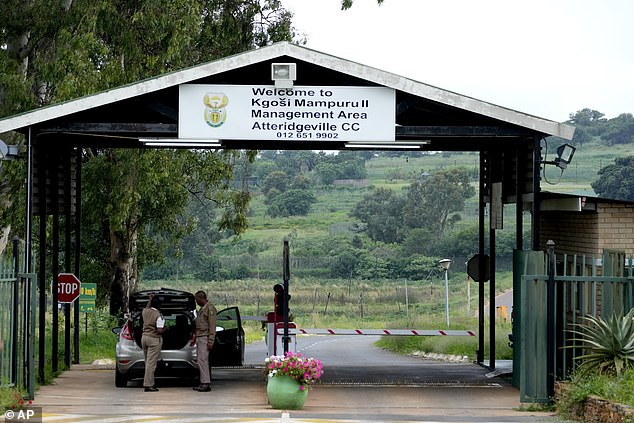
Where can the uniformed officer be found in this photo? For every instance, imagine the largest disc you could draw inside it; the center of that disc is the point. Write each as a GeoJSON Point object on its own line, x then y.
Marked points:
{"type": "Point", "coordinates": [204, 338]}
{"type": "Point", "coordinates": [152, 340]}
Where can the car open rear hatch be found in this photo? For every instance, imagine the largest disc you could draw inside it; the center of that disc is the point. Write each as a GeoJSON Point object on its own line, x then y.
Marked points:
{"type": "Point", "coordinates": [172, 300]}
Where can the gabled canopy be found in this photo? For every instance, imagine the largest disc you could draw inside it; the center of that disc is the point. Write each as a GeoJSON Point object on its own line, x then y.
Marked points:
{"type": "Point", "coordinates": [508, 141]}
{"type": "Point", "coordinates": [119, 117]}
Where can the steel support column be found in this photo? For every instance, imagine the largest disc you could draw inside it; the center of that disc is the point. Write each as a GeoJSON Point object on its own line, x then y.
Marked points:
{"type": "Point", "coordinates": [67, 163]}
{"type": "Point", "coordinates": [54, 170]}
{"type": "Point", "coordinates": [484, 155]}
{"type": "Point", "coordinates": [77, 223]}
{"type": "Point", "coordinates": [41, 359]}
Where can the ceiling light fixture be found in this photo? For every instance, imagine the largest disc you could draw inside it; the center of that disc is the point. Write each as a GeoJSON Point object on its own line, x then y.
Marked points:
{"type": "Point", "coordinates": [406, 145]}
{"type": "Point", "coordinates": [182, 144]}
{"type": "Point", "coordinates": [179, 143]}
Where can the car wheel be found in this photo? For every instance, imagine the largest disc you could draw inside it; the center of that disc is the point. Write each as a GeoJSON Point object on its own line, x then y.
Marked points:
{"type": "Point", "coordinates": [120, 380]}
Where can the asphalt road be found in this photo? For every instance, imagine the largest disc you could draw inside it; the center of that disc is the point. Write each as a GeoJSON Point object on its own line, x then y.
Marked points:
{"type": "Point", "coordinates": [361, 383]}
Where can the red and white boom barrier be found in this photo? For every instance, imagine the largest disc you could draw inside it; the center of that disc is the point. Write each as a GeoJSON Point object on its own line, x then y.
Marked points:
{"type": "Point", "coordinates": [393, 332]}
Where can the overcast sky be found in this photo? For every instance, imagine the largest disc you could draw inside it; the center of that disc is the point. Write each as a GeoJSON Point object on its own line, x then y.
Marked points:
{"type": "Point", "coordinates": [548, 58]}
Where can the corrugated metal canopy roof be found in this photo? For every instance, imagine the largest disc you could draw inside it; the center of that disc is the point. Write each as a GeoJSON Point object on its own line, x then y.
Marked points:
{"type": "Point", "coordinates": [422, 110]}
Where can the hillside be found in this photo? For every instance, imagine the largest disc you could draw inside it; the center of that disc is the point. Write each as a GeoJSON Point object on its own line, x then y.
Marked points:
{"type": "Point", "coordinates": [327, 230]}
{"type": "Point", "coordinates": [330, 214]}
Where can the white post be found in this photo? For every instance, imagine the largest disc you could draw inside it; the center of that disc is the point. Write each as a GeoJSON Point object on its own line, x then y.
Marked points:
{"type": "Point", "coordinates": [406, 301]}
{"type": "Point", "coordinates": [447, 298]}
{"type": "Point", "coordinates": [468, 296]}
{"type": "Point", "coordinates": [445, 265]}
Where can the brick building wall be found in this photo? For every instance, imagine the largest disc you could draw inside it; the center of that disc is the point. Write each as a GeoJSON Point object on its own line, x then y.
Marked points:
{"type": "Point", "coordinates": [573, 232]}
{"type": "Point", "coordinates": [589, 232]}
{"type": "Point", "coordinates": [616, 227]}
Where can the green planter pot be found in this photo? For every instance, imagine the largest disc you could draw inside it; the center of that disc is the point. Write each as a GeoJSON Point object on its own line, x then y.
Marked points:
{"type": "Point", "coordinates": [284, 394]}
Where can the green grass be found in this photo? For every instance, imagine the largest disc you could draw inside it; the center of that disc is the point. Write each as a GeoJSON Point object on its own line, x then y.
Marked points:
{"type": "Point", "coordinates": [452, 345]}
{"type": "Point", "coordinates": [344, 301]}
{"type": "Point", "coordinates": [353, 304]}
{"type": "Point", "coordinates": [11, 399]}
{"type": "Point", "coordinates": [98, 342]}
{"type": "Point", "coordinates": [613, 388]}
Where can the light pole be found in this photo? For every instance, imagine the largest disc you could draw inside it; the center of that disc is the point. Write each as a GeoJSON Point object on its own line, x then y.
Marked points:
{"type": "Point", "coordinates": [468, 292]}
{"type": "Point", "coordinates": [445, 265]}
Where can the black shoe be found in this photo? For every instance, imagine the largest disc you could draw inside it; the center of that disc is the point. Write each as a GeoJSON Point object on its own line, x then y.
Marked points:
{"type": "Point", "coordinates": [151, 389]}
{"type": "Point", "coordinates": [203, 388]}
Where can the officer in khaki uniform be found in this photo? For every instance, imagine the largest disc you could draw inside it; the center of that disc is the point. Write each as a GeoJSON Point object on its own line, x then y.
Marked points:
{"type": "Point", "coordinates": [204, 338]}
{"type": "Point", "coordinates": [152, 340]}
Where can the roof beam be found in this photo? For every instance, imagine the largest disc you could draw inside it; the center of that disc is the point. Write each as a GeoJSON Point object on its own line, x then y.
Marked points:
{"type": "Point", "coordinates": [115, 128]}
{"type": "Point", "coordinates": [461, 131]}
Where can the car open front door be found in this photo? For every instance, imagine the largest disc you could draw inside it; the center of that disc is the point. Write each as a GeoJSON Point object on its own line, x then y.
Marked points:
{"type": "Point", "coordinates": [228, 347]}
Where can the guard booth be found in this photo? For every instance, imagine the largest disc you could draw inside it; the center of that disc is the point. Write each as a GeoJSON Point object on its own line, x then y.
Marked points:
{"type": "Point", "coordinates": [275, 336]}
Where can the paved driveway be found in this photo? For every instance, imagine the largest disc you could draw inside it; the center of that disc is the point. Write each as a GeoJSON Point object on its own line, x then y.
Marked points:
{"type": "Point", "coordinates": [382, 388]}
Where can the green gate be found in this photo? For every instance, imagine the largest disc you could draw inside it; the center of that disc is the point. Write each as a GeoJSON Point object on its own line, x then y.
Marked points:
{"type": "Point", "coordinates": [574, 286]}
{"type": "Point", "coordinates": [17, 322]}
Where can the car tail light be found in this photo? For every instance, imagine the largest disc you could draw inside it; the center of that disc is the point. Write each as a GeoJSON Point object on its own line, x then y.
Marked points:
{"type": "Point", "coordinates": [125, 332]}
{"type": "Point", "coordinates": [192, 337]}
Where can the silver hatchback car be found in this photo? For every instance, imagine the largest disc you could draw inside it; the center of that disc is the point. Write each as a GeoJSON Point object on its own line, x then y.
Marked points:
{"type": "Point", "coordinates": [178, 356]}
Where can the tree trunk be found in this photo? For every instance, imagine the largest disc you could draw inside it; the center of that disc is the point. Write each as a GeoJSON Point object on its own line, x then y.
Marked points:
{"type": "Point", "coordinates": [123, 262]}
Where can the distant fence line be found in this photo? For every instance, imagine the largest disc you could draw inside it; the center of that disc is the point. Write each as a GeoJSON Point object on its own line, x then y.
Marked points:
{"type": "Point", "coordinates": [268, 262]}
{"type": "Point", "coordinates": [323, 263]}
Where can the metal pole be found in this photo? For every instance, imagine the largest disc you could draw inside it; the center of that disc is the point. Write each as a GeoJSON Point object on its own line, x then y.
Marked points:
{"type": "Point", "coordinates": [29, 334]}
{"type": "Point", "coordinates": [67, 250]}
{"type": "Point", "coordinates": [468, 296]}
{"type": "Point", "coordinates": [481, 270]}
{"type": "Point", "coordinates": [55, 264]}
{"type": "Point", "coordinates": [42, 175]}
{"type": "Point", "coordinates": [550, 321]}
{"type": "Point", "coordinates": [492, 298]}
{"type": "Point", "coordinates": [16, 313]}
{"type": "Point", "coordinates": [286, 337]}
{"type": "Point", "coordinates": [446, 298]}
{"type": "Point", "coordinates": [77, 253]}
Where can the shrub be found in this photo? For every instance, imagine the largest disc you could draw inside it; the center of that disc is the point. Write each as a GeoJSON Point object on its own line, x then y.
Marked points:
{"type": "Point", "coordinates": [608, 343]}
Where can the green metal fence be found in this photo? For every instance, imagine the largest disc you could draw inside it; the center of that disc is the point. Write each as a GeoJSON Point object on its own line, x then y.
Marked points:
{"type": "Point", "coordinates": [17, 321]}
{"type": "Point", "coordinates": [7, 283]}
{"type": "Point", "coordinates": [581, 286]}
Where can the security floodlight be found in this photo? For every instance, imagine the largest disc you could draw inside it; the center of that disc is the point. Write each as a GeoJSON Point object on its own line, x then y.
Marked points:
{"type": "Point", "coordinates": [564, 156]}
{"type": "Point", "coordinates": [283, 74]}
{"type": "Point", "coordinates": [8, 152]}
{"type": "Point", "coordinates": [4, 150]}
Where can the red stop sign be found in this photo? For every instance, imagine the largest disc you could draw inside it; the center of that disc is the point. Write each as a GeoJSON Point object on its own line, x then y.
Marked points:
{"type": "Point", "coordinates": [67, 287]}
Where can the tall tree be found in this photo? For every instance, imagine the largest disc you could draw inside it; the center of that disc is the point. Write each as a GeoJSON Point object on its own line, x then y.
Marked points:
{"type": "Point", "coordinates": [347, 4]}
{"type": "Point", "coordinates": [616, 181]}
{"type": "Point", "coordinates": [619, 130]}
{"type": "Point", "coordinates": [61, 49]}
{"type": "Point", "coordinates": [434, 203]}
{"type": "Point", "coordinates": [586, 117]}
{"type": "Point", "coordinates": [381, 211]}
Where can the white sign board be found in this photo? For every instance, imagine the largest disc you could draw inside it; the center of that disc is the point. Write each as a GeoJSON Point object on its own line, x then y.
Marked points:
{"type": "Point", "coordinates": [300, 113]}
